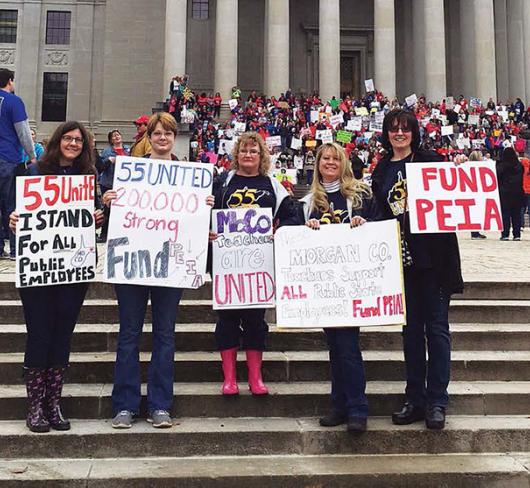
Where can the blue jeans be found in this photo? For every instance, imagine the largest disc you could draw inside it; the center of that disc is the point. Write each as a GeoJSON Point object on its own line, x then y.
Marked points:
{"type": "Point", "coordinates": [348, 381]}
{"type": "Point", "coordinates": [7, 201]}
{"type": "Point", "coordinates": [132, 302]}
{"type": "Point", "coordinates": [427, 318]}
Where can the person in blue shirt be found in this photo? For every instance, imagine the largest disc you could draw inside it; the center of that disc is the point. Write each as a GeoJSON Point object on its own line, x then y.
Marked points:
{"type": "Point", "coordinates": [15, 138]}
{"type": "Point", "coordinates": [39, 148]}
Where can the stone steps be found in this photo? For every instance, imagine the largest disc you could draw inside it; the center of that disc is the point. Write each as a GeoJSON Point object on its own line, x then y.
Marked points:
{"type": "Point", "coordinates": [474, 290]}
{"type": "Point", "coordinates": [300, 399]}
{"type": "Point", "coordinates": [265, 436]}
{"type": "Point", "coordinates": [200, 311]}
{"type": "Point", "coordinates": [199, 337]}
{"type": "Point", "coordinates": [497, 470]}
{"type": "Point", "coordinates": [288, 366]}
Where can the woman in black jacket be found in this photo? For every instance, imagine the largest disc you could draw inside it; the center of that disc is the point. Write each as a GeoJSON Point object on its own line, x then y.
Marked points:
{"type": "Point", "coordinates": [510, 176]}
{"type": "Point", "coordinates": [431, 272]}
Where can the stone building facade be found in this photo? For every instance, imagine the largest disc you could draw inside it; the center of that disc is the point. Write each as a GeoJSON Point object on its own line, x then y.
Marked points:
{"type": "Point", "coordinates": [106, 61]}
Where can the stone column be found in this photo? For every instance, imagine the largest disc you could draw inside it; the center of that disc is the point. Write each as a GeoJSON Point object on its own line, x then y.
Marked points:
{"type": "Point", "coordinates": [435, 79]}
{"type": "Point", "coordinates": [526, 46]}
{"type": "Point", "coordinates": [486, 76]}
{"type": "Point", "coordinates": [276, 72]}
{"type": "Point", "coordinates": [226, 27]}
{"type": "Point", "coordinates": [467, 49]}
{"type": "Point", "coordinates": [329, 49]}
{"type": "Point", "coordinates": [501, 50]}
{"type": "Point", "coordinates": [175, 50]}
{"type": "Point", "coordinates": [418, 35]}
{"type": "Point", "coordinates": [385, 47]}
{"type": "Point", "coordinates": [516, 63]}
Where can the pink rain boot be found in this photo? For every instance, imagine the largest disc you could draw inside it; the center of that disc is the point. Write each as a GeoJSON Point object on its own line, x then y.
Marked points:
{"type": "Point", "coordinates": [255, 383]}
{"type": "Point", "coordinates": [229, 358]}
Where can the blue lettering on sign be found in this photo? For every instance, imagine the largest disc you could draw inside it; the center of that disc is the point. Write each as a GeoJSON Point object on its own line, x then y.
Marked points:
{"type": "Point", "coordinates": [170, 173]}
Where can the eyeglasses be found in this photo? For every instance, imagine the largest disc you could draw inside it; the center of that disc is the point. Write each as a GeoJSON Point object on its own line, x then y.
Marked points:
{"type": "Point", "coordinates": [252, 152]}
{"type": "Point", "coordinates": [404, 130]}
{"type": "Point", "coordinates": [69, 139]}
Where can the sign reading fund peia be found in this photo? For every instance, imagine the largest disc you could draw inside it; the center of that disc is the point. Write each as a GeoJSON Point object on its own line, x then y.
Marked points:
{"type": "Point", "coordinates": [56, 230]}
{"type": "Point", "coordinates": [338, 276]}
{"type": "Point", "coordinates": [158, 231]}
{"type": "Point", "coordinates": [443, 197]}
{"type": "Point", "coordinates": [243, 258]}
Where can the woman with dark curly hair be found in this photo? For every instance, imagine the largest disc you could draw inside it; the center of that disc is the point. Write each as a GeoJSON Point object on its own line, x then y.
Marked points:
{"type": "Point", "coordinates": [51, 312]}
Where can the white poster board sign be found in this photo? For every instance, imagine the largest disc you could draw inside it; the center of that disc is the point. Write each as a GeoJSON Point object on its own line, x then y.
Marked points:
{"type": "Point", "coordinates": [447, 130]}
{"type": "Point", "coordinates": [158, 230]}
{"type": "Point", "coordinates": [411, 100]}
{"type": "Point", "coordinates": [240, 127]}
{"type": "Point", "coordinates": [369, 85]}
{"type": "Point", "coordinates": [335, 120]}
{"type": "Point", "coordinates": [443, 197]}
{"type": "Point", "coordinates": [339, 276]}
{"type": "Point", "coordinates": [232, 103]}
{"type": "Point", "coordinates": [296, 143]}
{"type": "Point", "coordinates": [55, 238]}
{"type": "Point", "coordinates": [226, 146]}
{"type": "Point", "coordinates": [273, 141]}
{"type": "Point", "coordinates": [355, 124]}
{"type": "Point", "coordinates": [243, 259]}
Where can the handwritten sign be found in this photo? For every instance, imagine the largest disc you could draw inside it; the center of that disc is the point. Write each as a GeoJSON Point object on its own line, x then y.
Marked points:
{"type": "Point", "coordinates": [355, 124]}
{"type": "Point", "coordinates": [56, 240]}
{"type": "Point", "coordinates": [411, 100]}
{"type": "Point", "coordinates": [158, 231]}
{"type": "Point", "coordinates": [232, 103]}
{"type": "Point", "coordinates": [243, 258]}
{"type": "Point", "coordinates": [325, 135]}
{"type": "Point", "coordinates": [335, 120]}
{"type": "Point", "coordinates": [447, 130]}
{"type": "Point", "coordinates": [296, 143]}
{"type": "Point", "coordinates": [443, 197]}
{"type": "Point", "coordinates": [369, 85]}
{"type": "Point", "coordinates": [273, 141]}
{"type": "Point", "coordinates": [344, 136]}
{"type": "Point", "coordinates": [338, 276]}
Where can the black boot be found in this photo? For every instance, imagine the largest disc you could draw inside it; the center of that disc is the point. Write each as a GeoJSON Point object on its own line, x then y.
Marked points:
{"type": "Point", "coordinates": [54, 388]}
{"type": "Point", "coordinates": [35, 387]}
{"type": "Point", "coordinates": [356, 424]}
{"type": "Point", "coordinates": [332, 419]}
{"type": "Point", "coordinates": [408, 415]}
{"type": "Point", "coordinates": [435, 418]}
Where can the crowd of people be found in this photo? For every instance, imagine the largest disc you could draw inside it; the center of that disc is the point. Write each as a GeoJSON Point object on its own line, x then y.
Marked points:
{"type": "Point", "coordinates": [338, 193]}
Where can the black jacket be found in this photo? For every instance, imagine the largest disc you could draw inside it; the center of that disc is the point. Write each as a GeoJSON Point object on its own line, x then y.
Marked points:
{"type": "Point", "coordinates": [443, 248]}
{"type": "Point", "coordinates": [510, 184]}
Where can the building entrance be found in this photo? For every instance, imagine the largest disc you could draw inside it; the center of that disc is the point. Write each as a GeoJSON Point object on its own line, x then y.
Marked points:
{"type": "Point", "coordinates": [350, 74]}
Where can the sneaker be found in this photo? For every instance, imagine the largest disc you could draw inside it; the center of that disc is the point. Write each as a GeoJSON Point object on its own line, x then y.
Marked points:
{"type": "Point", "coordinates": [503, 239]}
{"type": "Point", "coordinates": [479, 236]}
{"type": "Point", "coordinates": [123, 420]}
{"type": "Point", "coordinates": [160, 419]}
{"type": "Point", "coordinates": [516, 238]}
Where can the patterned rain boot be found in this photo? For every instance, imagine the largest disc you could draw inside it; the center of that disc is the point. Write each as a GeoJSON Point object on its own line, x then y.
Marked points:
{"type": "Point", "coordinates": [255, 382]}
{"type": "Point", "coordinates": [35, 387]}
{"type": "Point", "coordinates": [54, 388]}
{"type": "Point", "coordinates": [229, 358]}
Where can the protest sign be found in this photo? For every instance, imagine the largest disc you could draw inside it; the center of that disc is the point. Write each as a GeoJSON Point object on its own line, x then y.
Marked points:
{"type": "Point", "coordinates": [338, 276]}
{"type": "Point", "coordinates": [447, 130]}
{"type": "Point", "coordinates": [55, 239]}
{"type": "Point", "coordinates": [477, 143]}
{"type": "Point", "coordinates": [344, 136]}
{"type": "Point", "coordinates": [369, 85]}
{"type": "Point", "coordinates": [335, 120]}
{"type": "Point", "coordinates": [158, 231]}
{"type": "Point", "coordinates": [314, 115]}
{"type": "Point", "coordinates": [296, 143]}
{"type": "Point", "coordinates": [355, 124]}
{"type": "Point", "coordinates": [273, 141]}
{"type": "Point", "coordinates": [360, 111]}
{"type": "Point", "coordinates": [243, 258]}
{"type": "Point", "coordinates": [473, 119]}
{"type": "Point", "coordinates": [324, 135]}
{"type": "Point", "coordinates": [285, 174]}
{"type": "Point", "coordinates": [435, 113]}
{"type": "Point", "coordinates": [310, 143]}
{"type": "Point", "coordinates": [225, 146]}
{"type": "Point", "coordinates": [457, 108]}
{"type": "Point", "coordinates": [475, 102]}
{"type": "Point", "coordinates": [212, 157]}
{"type": "Point", "coordinates": [298, 162]}
{"type": "Point", "coordinates": [368, 135]}
{"type": "Point", "coordinates": [449, 103]}
{"type": "Point", "coordinates": [443, 197]}
{"type": "Point", "coordinates": [232, 103]}
{"type": "Point", "coordinates": [240, 127]}
{"type": "Point", "coordinates": [504, 115]}
{"type": "Point", "coordinates": [411, 100]}
{"type": "Point", "coordinates": [376, 121]}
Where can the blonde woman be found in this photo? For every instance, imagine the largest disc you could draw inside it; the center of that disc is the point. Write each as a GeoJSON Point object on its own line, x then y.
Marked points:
{"type": "Point", "coordinates": [336, 197]}
{"type": "Point", "coordinates": [248, 184]}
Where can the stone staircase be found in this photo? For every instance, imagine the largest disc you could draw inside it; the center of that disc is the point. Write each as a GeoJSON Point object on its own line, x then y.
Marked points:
{"type": "Point", "coordinates": [276, 440]}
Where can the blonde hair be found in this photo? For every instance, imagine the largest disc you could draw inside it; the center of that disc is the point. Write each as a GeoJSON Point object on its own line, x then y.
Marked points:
{"type": "Point", "coordinates": [167, 120]}
{"type": "Point", "coordinates": [476, 156]}
{"type": "Point", "coordinates": [350, 188]}
{"type": "Point", "coordinates": [252, 138]}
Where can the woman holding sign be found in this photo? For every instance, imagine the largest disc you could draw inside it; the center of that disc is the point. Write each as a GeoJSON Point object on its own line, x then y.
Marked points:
{"type": "Point", "coordinates": [336, 197]}
{"type": "Point", "coordinates": [248, 184]}
{"type": "Point", "coordinates": [51, 312]}
{"type": "Point", "coordinates": [132, 304]}
{"type": "Point", "coordinates": [431, 272]}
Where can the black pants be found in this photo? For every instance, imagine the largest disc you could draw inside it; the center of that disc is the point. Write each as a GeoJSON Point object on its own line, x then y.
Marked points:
{"type": "Point", "coordinates": [242, 328]}
{"type": "Point", "coordinates": [51, 313]}
{"type": "Point", "coordinates": [106, 212]}
{"type": "Point", "coordinates": [511, 217]}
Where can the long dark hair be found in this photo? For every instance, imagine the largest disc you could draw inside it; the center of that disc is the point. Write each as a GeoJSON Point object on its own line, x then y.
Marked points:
{"type": "Point", "coordinates": [84, 163]}
{"type": "Point", "coordinates": [405, 119]}
{"type": "Point", "coordinates": [509, 158]}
